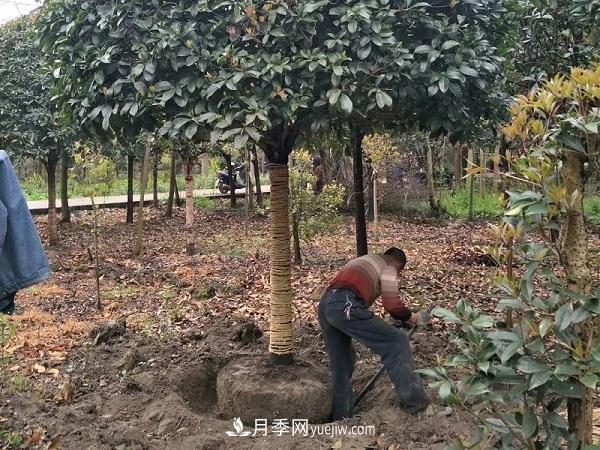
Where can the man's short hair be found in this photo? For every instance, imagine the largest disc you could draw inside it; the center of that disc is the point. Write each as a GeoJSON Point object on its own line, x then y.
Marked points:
{"type": "Point", "coordinates": [397, 254]}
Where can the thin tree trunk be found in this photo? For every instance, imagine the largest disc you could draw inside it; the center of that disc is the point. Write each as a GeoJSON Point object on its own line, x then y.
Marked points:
{"type": "Point", "coordinates": [435, 209]}
{"type": "Point", "coordinates": [190, 248]}
{"type": "Point", "coordinates": [96, 255]}
{"type": "Point", "coordinates": [140, 216]}
{"type": "Point", "coordinates": [249, 189]}
{"type": "Point", "coordinates": [129, 212]}
{"type": "Point", "coordinates": [371, 193]}
{"type": "Point", "coordinates": [230, 173]}
{"type": "Point", "coordinates": [52, 217]}
{"type": "Point", "coordinates": [172, 184]}
{"type": "Point", "coordinates": [177, 197]}
{"type": "Point", "coordinates": [259, 197]}
{"type": "Point", "coordinates": [471, 185]}
{"type": "Point", "coordinates": [155, 181]}
{"type": "Point", "coordinates": [359, 197]}
{"type": "Point", "coordinates": [375, 208]}
{"type": "Point", "coordinates": [296, 240]}
{"type": "Point", "coordinates": [281, 334]}
{"type": "Point", "coordinates": [65, 211]}
{"type": "Point", "coordinates": [509, 276]}
{"type": "Point", "coordinates": [496, 185]}
{"type": "Point", "coordinates": [573, 254]}
{"type": "Point", "coordinates": [457, 166]}
{"type": "Point", "coordinates": [297, 210]}
{"type": "Point", "coordinates": [482, 164]}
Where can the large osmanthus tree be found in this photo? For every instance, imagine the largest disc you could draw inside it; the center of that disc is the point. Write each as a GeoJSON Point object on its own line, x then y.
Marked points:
{"type": "Point", "coordinates": [30, 126]}
{"type": "Point", "coordinates": [258, 72]}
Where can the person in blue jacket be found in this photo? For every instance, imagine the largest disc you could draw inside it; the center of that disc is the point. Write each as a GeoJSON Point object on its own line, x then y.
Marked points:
{"type": "Point", "coordinates": [23, 261]}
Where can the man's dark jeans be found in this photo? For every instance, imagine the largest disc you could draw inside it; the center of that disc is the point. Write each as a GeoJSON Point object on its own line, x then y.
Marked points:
{"type": "Point", "coordinates": [343, 317]}
{"type": "Point", "coordinates": [7, 304]}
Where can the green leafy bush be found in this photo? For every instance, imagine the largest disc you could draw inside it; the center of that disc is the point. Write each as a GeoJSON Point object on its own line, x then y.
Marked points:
{"type": "Point", "coordinates": [522, 377]}
{"type": "Point", "coordinates": [315, 214]}
{"type": "Point", "coordinates": [35, 187]}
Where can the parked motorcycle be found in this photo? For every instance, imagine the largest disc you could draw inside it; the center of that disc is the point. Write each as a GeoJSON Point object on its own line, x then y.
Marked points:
{"type": "Point", "coordinates": [222, 181]}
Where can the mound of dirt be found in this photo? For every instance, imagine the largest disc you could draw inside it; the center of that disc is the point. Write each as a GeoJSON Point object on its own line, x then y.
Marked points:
{"type": "Point", "coordinates": [254, 388]}
{"type": "Point", "coordinates": [141, 393]}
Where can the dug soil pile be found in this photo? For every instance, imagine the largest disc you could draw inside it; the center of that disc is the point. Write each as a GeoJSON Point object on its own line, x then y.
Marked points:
{"type": "Point", "coordinates": [135, 392]}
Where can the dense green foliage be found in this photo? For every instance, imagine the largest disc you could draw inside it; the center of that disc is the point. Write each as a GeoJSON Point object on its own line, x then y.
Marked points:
{"type": "Point", "coordinates": [246, 70]}
{"type": "Point", "coordinates": [553, 35]}
{"type": "Point", "coordinates": [30, 127]}
{"type": "Point", "coordinates": [315, 214]}
{"type": "Point", "coordinates": [518, 376]}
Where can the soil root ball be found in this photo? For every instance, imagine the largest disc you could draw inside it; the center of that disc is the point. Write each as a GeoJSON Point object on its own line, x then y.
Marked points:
{"type": "Point", "coordinates": [253, 388]}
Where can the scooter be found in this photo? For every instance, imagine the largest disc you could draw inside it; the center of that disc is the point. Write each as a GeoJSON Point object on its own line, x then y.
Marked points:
{"type": "Point", "coordinates": [222, 181]}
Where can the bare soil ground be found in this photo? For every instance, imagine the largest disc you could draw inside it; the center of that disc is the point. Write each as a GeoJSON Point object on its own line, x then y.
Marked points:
{"type": "Point", "coordinates": [154, 386]}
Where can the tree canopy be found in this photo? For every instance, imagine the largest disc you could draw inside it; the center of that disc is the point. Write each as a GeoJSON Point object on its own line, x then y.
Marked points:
{"type": "Point", "coordinates": [30, 125]}
{"type": "Point", "coordinates": [264, 71]}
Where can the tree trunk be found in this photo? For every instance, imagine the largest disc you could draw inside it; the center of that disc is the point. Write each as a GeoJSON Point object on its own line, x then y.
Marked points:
{"type": "Point", "coordinates": [172, 184]}
{"type": "Point", "coordinates": [458, 166]}
{"type": "Point", "coordinates": [573, 255]}
{"type": "Point", "coordinates": [230, 172]}
{"type": "Point", "coordinates": [249, 190]}
{"type": "Point", "coordinates": [435, 209]}
{"type": "Point", "coordinates": [508, 317]}
{"type": "Point", "coordinates": [497, 180]}
{"type": "Point", "coordinates": [65, 211]}
{"type": "Point", "coordinates": [96, 256]}
{"type": "Point", "coordinates": [296, 240]}
{"type": "Point", "coordinates": [52, 217]}
{"type": "Point", "coordinates": [297, 210]}
{"type": "Point", "coordinates": [190, 248]}
{"type": "Point", "coordinates": [155, 181]}
{"type": "Point", "coordinates": [359, 196]}
{"type": "Point", "coordinates": [140, 215]}
{"type": "Point", "coordinates": [281, 335]}
{"type": "Point", "coordinates": [259, 197]}
{"type": "Point", "coordinates": [177, 197]}
{"type": "Point", "coordinates": [371, 192]}
{"type": "Point", "coordinates": [483, 165]}
{"type": "Point", "coordinates": [471, 185]}
{"type": "Point", "coordinates": [129, 213]}
{"type": "Point", "coordinates": [375, 208]}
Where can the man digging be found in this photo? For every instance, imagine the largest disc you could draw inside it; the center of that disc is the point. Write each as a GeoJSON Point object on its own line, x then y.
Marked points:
{"type": "Point", "coordinates": [344, 315]}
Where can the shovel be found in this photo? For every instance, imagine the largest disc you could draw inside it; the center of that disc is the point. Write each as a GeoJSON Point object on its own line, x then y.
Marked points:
{"type": "Point", "coordinates": [376, 377]}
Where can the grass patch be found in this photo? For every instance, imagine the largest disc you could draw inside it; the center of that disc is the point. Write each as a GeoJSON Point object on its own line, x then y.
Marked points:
{"type": "Point", "coordinates": [204, 203]}
{"type": "Point", "coordinates": [121, 291]}
{"type": "Point", "coordinates": [35, 186]}
{"type": "Point", "coordinates": [11, 439]}
{"type": "Point", "coordinates": [236, 253]}
{"type": "Point", "coordinates": [457, 205]}
{"type": "Point", "coordinates": [19, 382]}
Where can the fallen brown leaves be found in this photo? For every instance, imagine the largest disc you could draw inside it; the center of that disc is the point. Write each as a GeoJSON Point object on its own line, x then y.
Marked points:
{"type": "Point", "coordinates": [165, 291]}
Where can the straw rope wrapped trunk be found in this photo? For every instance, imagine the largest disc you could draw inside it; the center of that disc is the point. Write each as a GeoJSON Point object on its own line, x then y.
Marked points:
{"type": "Point", "coordinates": [281, 342]}
{"type": "Point", "coordinates": [277, 146]}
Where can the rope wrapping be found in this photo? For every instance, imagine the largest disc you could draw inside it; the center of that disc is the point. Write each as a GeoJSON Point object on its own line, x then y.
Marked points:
{"type": "Point", "coordinates": [281, 335]}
